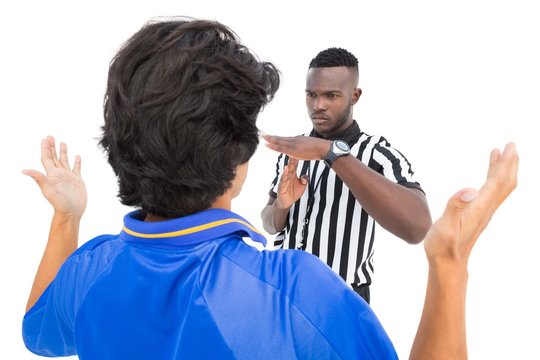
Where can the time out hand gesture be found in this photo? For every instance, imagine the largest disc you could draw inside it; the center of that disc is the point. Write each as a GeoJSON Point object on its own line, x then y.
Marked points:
{"type": "Point", "coordinates": [299, 147]}
{"type": "Point", "coordinates": [290, 187]}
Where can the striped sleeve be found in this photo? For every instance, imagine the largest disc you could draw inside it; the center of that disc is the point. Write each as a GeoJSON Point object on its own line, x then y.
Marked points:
{"type": "Point", "coordinates": [280, 163]}
{"type": "Point", "coordinates": [282, 160]}
{"type": "Point", "coordinates": [391, 163]}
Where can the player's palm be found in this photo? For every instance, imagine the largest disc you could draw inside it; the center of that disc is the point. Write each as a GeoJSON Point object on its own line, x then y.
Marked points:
{"type": "Point", "coordinates": [452, 237]}
{"type": "Point", "coordinates": [61, 185]}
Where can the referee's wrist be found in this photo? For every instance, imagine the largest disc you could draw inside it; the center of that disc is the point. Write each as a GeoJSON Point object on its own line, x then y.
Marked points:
{"type": "Point", "coordinates": [326, 149]}
{"type": "Point", "coordinates": [338, 148]}
{"type": "Point", "coordinates": [278, 205]}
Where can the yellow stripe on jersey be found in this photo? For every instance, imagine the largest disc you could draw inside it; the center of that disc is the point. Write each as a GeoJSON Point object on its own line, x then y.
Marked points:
{"type": "Point", "coordinates": [189, 230]}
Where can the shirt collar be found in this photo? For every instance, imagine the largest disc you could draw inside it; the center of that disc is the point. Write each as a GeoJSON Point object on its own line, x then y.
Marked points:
{"type": "Point", "coordinates": [349, 135]}
{"type": "Point", "coordinates": [188, 230]}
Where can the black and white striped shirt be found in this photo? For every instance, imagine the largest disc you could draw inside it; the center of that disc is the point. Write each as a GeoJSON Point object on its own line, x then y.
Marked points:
{"type": "Point", "coordinates": [339, 231]}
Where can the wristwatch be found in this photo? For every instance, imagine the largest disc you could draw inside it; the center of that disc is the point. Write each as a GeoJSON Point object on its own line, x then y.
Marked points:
{"type": "Point", "coordinates": [337, 149]}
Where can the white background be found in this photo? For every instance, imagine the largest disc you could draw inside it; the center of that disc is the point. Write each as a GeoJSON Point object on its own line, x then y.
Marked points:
{"type": "Point", "coordinates": [445, 82]}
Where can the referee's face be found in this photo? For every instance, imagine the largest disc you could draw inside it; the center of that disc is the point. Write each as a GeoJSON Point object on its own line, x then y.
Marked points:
{"type": "Point", "coordinates": [330, 94]}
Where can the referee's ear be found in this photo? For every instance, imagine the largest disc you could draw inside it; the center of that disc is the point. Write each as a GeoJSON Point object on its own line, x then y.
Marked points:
{"type": "Point", "coordinates": [356, 95]}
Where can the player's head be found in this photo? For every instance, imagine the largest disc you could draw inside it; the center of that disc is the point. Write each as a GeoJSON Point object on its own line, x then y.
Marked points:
{"type": "Point", "coordinates": [181, 105]}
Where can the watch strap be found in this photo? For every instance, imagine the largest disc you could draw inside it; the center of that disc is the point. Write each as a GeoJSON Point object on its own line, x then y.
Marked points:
{"type": "Point", "coordinates": [330, 157]}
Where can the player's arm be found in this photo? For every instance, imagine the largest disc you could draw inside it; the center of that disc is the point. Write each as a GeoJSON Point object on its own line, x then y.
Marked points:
{"type": "Point", "coordinates": [448, 244]}
{"type": "Point", "coordinates": [64, 188]}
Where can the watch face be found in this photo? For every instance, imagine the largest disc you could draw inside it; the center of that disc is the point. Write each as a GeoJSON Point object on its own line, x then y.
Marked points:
{"type": "Point", "coordinates": [342, 145]}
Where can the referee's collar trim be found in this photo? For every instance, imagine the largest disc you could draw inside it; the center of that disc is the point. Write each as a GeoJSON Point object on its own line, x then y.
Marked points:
{"type": "Point", "coordinates": [349, 135]}
{"type": "Point", "coordinates": [189, 230]}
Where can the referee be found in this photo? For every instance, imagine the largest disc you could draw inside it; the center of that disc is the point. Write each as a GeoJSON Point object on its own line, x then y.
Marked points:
{"type": "Point", "coordinates": [334, 182]}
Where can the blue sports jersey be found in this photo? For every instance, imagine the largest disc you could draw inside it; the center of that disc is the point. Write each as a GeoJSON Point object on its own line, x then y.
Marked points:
{"type": "Point", "coordinates": [191, 288]}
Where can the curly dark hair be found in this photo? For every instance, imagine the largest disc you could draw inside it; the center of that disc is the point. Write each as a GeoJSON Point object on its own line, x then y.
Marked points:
{"type": "Point", "coordinates": [332, 57]}
{"type": "Point", "coordinates": [182, 100]}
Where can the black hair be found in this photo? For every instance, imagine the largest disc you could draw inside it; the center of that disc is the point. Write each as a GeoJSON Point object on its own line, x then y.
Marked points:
{"type": "Point", "coordinates": [181, 105]}
{"type": "Point", "coordinates": [333, 57]}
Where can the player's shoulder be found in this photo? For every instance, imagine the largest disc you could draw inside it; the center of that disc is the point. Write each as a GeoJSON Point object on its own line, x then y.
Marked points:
{"type": "Point", "coordinates": [305, 271]}
{"type": "Point", "coordinates": [99, 243]}
{"type": "Point", "coordinates": [96, 253]}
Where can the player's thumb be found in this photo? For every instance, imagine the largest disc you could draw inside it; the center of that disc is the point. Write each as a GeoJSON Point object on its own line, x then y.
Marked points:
{"type": "Point", "coordinates": [38, 177]}
{"type": "Point", "coordinates": [459, 201]}
{"type": "Point", "coordinates": [465, 196]}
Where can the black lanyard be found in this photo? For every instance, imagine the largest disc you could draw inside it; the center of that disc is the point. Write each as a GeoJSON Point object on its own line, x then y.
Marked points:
{"type": "Point", "coordinates": [351, 136]}
{"type": "Point", "coordinates": [312, 188]}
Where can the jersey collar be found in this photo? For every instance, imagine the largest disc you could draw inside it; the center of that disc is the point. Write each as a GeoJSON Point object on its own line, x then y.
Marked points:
{"type": "Point", "coordinates": [188, 230]}
{"type": "Point", "coordinates": [349, 135]}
